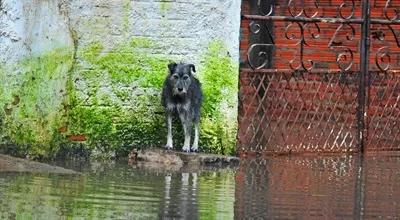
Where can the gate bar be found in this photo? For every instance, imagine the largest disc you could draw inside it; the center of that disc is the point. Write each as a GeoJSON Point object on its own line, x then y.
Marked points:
{"type": "Point", "coordinates": [303, 19]}
{"type": "Point", "coordinates": [322, 20]}
{"type": "Point", "coordinates": [364, 67]}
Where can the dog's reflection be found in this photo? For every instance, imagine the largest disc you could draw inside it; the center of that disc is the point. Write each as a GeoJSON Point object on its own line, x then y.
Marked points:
{"type": "Point", "coordinates": [180, 197]}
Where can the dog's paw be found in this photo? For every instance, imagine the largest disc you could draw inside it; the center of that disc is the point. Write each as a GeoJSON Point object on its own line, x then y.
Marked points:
{"type": "Point", "coordinates": [168, 147]}
{"type": "Point", "coordinates": [194, 150]}
{"type": "Point", "coordinates": [186, 149]}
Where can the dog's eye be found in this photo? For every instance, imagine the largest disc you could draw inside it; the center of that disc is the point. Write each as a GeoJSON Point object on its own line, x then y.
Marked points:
{"type": "Point", "coordinates": [175, 76]}
{"type": "Point", "coordinates": [186, 77]}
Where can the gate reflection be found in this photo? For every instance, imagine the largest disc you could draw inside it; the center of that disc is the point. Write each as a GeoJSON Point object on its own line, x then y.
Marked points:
{"type": "Point", "coordinates": [324, 187]}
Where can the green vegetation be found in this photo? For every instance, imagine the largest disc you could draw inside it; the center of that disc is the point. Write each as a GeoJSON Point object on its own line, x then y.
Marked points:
{"type": "Point", "coordinates": [33, 103]}
{"type": "Point", "coordinates": [110, 97]}
{"type": "Point", "coordinates": [113, 127]}
{"type": "Point", "coordinates": [128, 63]}
{"type": "Point", "coordinates": [121, 119]}
{"type": "Point", "coordinates": [219, 80]}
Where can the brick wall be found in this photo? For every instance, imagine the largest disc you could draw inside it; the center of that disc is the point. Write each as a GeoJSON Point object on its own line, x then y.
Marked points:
{"type": "Point", "coordinates": [283, 110]}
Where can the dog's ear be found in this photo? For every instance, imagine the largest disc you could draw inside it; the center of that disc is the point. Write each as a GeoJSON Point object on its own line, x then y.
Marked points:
{"type": "Point", "coordinates": [192, 67]}
{"type": "Point", "coordinates": [172, 67]}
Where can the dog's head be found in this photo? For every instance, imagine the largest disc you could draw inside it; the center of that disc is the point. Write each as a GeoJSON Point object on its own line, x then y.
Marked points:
{"type": "Point", "coordinates": [180, 77]}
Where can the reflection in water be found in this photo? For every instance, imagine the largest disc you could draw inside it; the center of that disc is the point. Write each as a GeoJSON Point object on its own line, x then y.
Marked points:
{"type": "Point", "coordinates": [183, 203]}
{"type": "Point", "coordinates": [341, 187]}
{"type": "Point", "coordinates": [118, 192]}
{"type": "Point", "coordinates": [330, 187]}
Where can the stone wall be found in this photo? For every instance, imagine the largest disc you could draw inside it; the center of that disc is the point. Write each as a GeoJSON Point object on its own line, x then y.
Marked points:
{"type": "Point", "coordinates": [85, 75]}
{"type": "Point", "coordinates": [182, 28]}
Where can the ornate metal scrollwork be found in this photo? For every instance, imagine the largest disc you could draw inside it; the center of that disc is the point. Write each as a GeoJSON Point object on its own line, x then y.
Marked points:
{"type": "Point", "coordinates": [333, 63]}
{"type": "Point", "coordinates": [313, 30]}
{"type": "Point", "coordinates": [396, 38]}
{"type": "Point", "coordinates": [386, 11]}
{"type": "Point", "coordinates": [260, 9]}
{"type": "Point", "coordinates": [262, 55]}
{"type": "Point", "coordinates": [303, 11]}
{"type": "Point", "coordinates": [255, 27]}
{"type": "Point", "coordinates": [343, 6]}
{"type": "Point", "coordinates": [382, 59]}
{"type": "Point", "coordinates": [350, 34]}
{"type": "Point", "coordinates": [383, 54]}
{"type": "Point", "coordinates": [344, 58]}
{"type": "Point", "coordinates": [303, 26]}
{"type": "Point", "coordinates": [344, 55]}
{"type": "Point", "coordinates": [257, 55]}
{"type": "Point", "coordinates": [302, 41]}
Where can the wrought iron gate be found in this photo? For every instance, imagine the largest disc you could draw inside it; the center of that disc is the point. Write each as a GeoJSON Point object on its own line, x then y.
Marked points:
{"type": "Point", "coordinates": [319, 76]}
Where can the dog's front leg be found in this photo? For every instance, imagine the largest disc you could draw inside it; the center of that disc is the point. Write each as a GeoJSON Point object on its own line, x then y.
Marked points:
{"type": "Point", "coordinates": [195, 146]}
{"type": "Point", "coordinates": [169, 144]}
{"type": "Point", "coordinates": [186, 129]}
{"type": "Point", "coordinates": [186, 144]}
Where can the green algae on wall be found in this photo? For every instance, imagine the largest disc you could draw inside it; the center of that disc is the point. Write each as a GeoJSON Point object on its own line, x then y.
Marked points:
{"type": "Point", "coordinates": [117, 109]}
{"type": "Point", "coordinates": [128, 63]}
{"type": "Point", "coordinates": [129, 114]}
{"type": "Point", "coordinates": [165, 6]}
{"type": "Point", "coordinates": [33, 96]}
{"type": "Point", "coordinates": [126, 11]}
{"type": "Point", "coordinates": [132, 115]}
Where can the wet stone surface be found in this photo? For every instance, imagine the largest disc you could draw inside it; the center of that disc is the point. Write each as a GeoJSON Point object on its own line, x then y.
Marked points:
{"type": "Point", "coordinates": [176, 159]}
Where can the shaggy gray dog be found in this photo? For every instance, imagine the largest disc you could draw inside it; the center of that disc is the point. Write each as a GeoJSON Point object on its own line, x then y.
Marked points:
{"type": "Point", "coordinates": [182, 97]}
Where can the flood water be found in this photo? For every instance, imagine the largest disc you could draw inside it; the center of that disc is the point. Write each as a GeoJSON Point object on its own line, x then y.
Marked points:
{"type": "Point", "coordinates": [326, 187]}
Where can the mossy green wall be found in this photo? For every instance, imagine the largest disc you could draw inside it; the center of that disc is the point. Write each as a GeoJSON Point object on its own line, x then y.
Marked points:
{"type": "Point", "coordinates": [85, 79]}
{"type": "Point", "coordinates": [34, 99]}
{"type": "Point", "coordinates": [130, 114]}
{"type": "Point", "coordinates": [107, 101]}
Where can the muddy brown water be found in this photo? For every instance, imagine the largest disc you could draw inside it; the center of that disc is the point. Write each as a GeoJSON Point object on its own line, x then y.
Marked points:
{"type": "Point", "coordinates": [326, 187]}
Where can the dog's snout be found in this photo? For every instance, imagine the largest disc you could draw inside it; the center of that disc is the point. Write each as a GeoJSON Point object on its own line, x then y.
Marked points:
{"type": "Point", "coordinates": [180, 89]}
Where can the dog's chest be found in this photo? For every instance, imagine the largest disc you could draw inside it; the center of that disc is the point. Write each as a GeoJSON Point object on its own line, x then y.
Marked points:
{"type": "Point", "coordinates": [179, 107]}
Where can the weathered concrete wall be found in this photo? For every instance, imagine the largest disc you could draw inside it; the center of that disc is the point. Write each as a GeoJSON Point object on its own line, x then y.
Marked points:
{"type": "Point", "coordinates": [183, 29]}
{"type": "Point", "coordinates": [36, 50]}
{"type": "Point", "coordinates": [90, 71]}
{"type": "Point", "coordinates": [31, 28]}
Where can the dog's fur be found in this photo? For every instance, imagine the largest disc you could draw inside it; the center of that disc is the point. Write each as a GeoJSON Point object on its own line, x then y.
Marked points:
{"type": "Point", "coordinates": [182, 96]}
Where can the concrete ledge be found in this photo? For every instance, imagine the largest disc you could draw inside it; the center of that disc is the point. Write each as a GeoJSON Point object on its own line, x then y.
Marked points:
{"type": "Point", "coordinates": [157, 157]}
{"type": "Point", "coordinates": [207, 159]}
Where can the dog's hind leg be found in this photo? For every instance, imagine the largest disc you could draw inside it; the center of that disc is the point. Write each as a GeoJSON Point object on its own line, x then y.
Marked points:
{"type": "Point", "coordinates": [195, 146]}
{"type": "Point", "coordinates": [169, 145]}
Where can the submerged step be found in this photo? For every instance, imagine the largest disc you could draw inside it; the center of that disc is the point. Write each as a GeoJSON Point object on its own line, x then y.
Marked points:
{"type": "Point", "coordinates": [177, 158]}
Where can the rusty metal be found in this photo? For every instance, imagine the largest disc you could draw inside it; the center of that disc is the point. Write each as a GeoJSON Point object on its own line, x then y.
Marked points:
{"type": "Point", "coordinates": [364, 67]}
{"type": "Point", "coordinates": [323, 20]}
{"type": "Point", "coordinates": [314, 79]}
{"type": "Point", "coordinates": [383, 101]}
